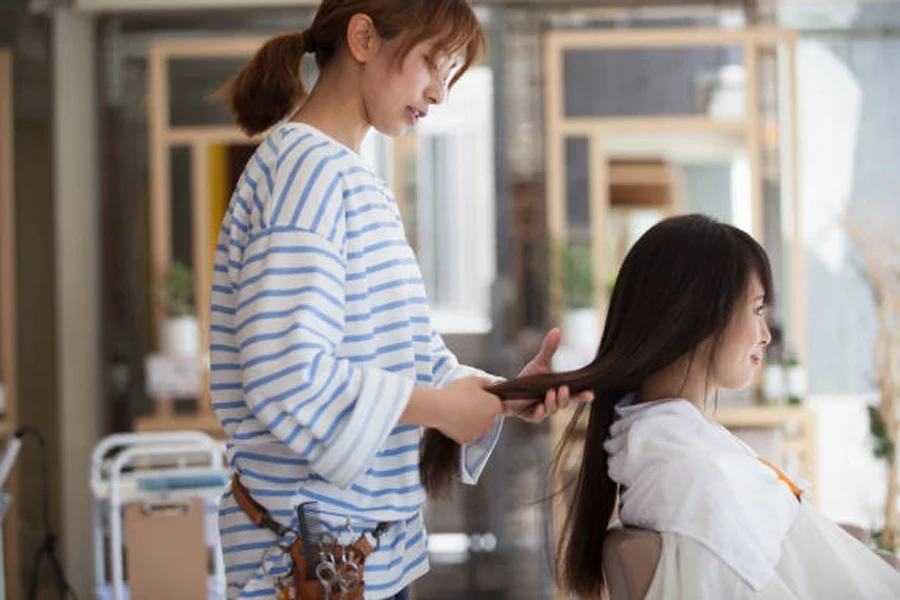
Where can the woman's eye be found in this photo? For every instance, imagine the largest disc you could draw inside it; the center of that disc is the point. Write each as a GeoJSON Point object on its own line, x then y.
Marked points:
{"type": "Point", "coordinates": [760, 310]}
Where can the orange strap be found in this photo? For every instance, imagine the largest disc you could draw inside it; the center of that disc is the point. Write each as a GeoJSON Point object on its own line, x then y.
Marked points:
{"type": "Point", "coordinates": [787, 480]}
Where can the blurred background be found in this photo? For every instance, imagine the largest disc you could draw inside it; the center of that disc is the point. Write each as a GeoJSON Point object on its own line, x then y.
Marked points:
{"type": "Point", "coordinates": [588, 122]}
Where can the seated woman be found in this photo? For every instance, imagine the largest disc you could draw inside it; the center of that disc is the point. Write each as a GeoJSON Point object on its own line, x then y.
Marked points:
{"type": "Point", "coordinates": [686, 318]}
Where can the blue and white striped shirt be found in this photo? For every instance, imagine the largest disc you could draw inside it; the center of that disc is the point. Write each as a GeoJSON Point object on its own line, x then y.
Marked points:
{"type": "Point", "coordinates": [319, 332]}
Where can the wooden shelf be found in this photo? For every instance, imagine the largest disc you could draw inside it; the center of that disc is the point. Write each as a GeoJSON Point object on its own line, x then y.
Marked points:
{"type": "Point", "coordinates": [200, 422]}
{"type": "Point", "coordinates": [639, 172]}
{"type": "Point", "coordinates": [762, 416]}
{"type": "Point", "coordinates": [579, 126]}
{"type": "Point", "coordinates": [208, 134]}
{"type": "Point", "coordinates": [642, 183]}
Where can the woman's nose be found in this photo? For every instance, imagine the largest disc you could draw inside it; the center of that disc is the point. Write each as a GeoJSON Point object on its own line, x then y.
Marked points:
{"type": "Point", "coordinates": [436, 93]}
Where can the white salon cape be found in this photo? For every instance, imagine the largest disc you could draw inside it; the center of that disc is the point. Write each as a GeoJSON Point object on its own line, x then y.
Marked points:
{"type": "Point", "coordinates": [731, 528]}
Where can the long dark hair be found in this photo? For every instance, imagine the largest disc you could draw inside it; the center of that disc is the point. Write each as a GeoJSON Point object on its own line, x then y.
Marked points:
{"type": "Point", "coordinates": [269, 86]}
{"type": "Point", "coordinates": [678, 286]}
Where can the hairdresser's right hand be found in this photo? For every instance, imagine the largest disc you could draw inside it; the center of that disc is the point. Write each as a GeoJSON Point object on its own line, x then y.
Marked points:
{"type": "Point", "coordinates": [466, 411]}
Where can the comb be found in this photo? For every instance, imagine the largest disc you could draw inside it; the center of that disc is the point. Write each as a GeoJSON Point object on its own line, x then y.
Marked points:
{"type": "Point", "coordinates": [311, 533]}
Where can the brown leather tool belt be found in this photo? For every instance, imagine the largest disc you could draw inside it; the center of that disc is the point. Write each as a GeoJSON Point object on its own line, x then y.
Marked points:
{"type": "Point", "coordinates": [336, 571]}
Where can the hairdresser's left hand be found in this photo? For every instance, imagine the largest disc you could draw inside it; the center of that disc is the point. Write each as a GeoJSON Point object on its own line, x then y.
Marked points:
{"type": "Point", "coordinates": [555, 399]}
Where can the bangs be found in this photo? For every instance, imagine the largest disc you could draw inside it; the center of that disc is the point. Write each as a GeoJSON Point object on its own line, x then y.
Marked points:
{"type": "Point", "coordinates": [764, 270]}
{"type": "Point", "coordinates": [454, 28]}
{"type": "Point", "coordinates": [756, 261]}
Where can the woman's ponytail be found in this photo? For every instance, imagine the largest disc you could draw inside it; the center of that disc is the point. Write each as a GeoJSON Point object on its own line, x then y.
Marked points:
{"type": "Point", "coordinates": [269, 86]}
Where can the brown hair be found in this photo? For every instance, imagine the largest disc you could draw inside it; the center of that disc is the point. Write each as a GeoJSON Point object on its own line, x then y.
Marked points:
{"type": "Point", "coordinates": [269, 86]}
{"type": "Point", "coordinates": [679, 285]}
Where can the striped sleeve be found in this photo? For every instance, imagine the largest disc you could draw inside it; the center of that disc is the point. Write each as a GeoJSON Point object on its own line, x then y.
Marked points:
{"type": "Point", "coordinates": [289, 322]}
{"type": "Point", "coordinates": [445, 371]}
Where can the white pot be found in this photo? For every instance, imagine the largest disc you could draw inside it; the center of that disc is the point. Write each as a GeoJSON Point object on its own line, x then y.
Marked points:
{"type": "Point", "coordinates": [581, 329]}
{"type": "Point", "coordinates": [796, 381]}
{"type": "Point", "coordinates": [774, 388]}
{"type": "Point", "coordinates": [181, 337]}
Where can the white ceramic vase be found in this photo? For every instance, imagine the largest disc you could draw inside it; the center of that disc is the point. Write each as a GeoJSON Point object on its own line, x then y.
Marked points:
{"type": "Point", "coordinates": [181, 337]}
{"type": "Point", "coordinates": [797, 381]}
{"type": "Point", "coordinates": [774, 383]}
{"type": "Point", "coordinates": [581, 329]}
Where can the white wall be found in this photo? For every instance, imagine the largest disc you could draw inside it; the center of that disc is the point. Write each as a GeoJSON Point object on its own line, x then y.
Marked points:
{"type": "Point", "coordinates": [852, 482]}
{"type": "Point", "coordinates": [75, 165]}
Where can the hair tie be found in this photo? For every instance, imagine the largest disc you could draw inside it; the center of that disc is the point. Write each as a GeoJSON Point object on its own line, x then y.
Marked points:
{"type": "Point", "coordinates": [309, 42]}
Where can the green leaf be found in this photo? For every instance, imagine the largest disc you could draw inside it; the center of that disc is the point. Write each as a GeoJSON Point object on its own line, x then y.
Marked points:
{"type": "Point", "coordinates": [880, 543]}
{"type": "Point", "coordinates": [882, 446]}
{"type": "Point", "coordinates": [178, 290]}
{"type": "Point", "coordinates": [577, 275]}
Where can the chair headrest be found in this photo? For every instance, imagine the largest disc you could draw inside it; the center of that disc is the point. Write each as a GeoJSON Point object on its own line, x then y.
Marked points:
{"type": "Point", "coordinates": [630, 557]}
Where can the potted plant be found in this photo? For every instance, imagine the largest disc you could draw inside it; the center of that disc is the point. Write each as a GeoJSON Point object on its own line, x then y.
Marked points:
{"type": "Point", "coordinates": [774, 381]}
{"type": "Point", "coordinates": [580, 322]}
{"type": "Point", "coordinates": [180, 335]}
{"type": "Point", "coordinates": [796, 380]}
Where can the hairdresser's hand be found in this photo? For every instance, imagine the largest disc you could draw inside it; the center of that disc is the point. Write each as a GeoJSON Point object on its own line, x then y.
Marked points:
{"type": "Point", "coordinates": [467, 411]}
{"type": "Point", "coordinates": [555, 399]}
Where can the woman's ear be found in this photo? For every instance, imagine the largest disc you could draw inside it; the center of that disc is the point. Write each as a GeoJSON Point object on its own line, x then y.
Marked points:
{"type": "Point", "coordinates": [363, 40]}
